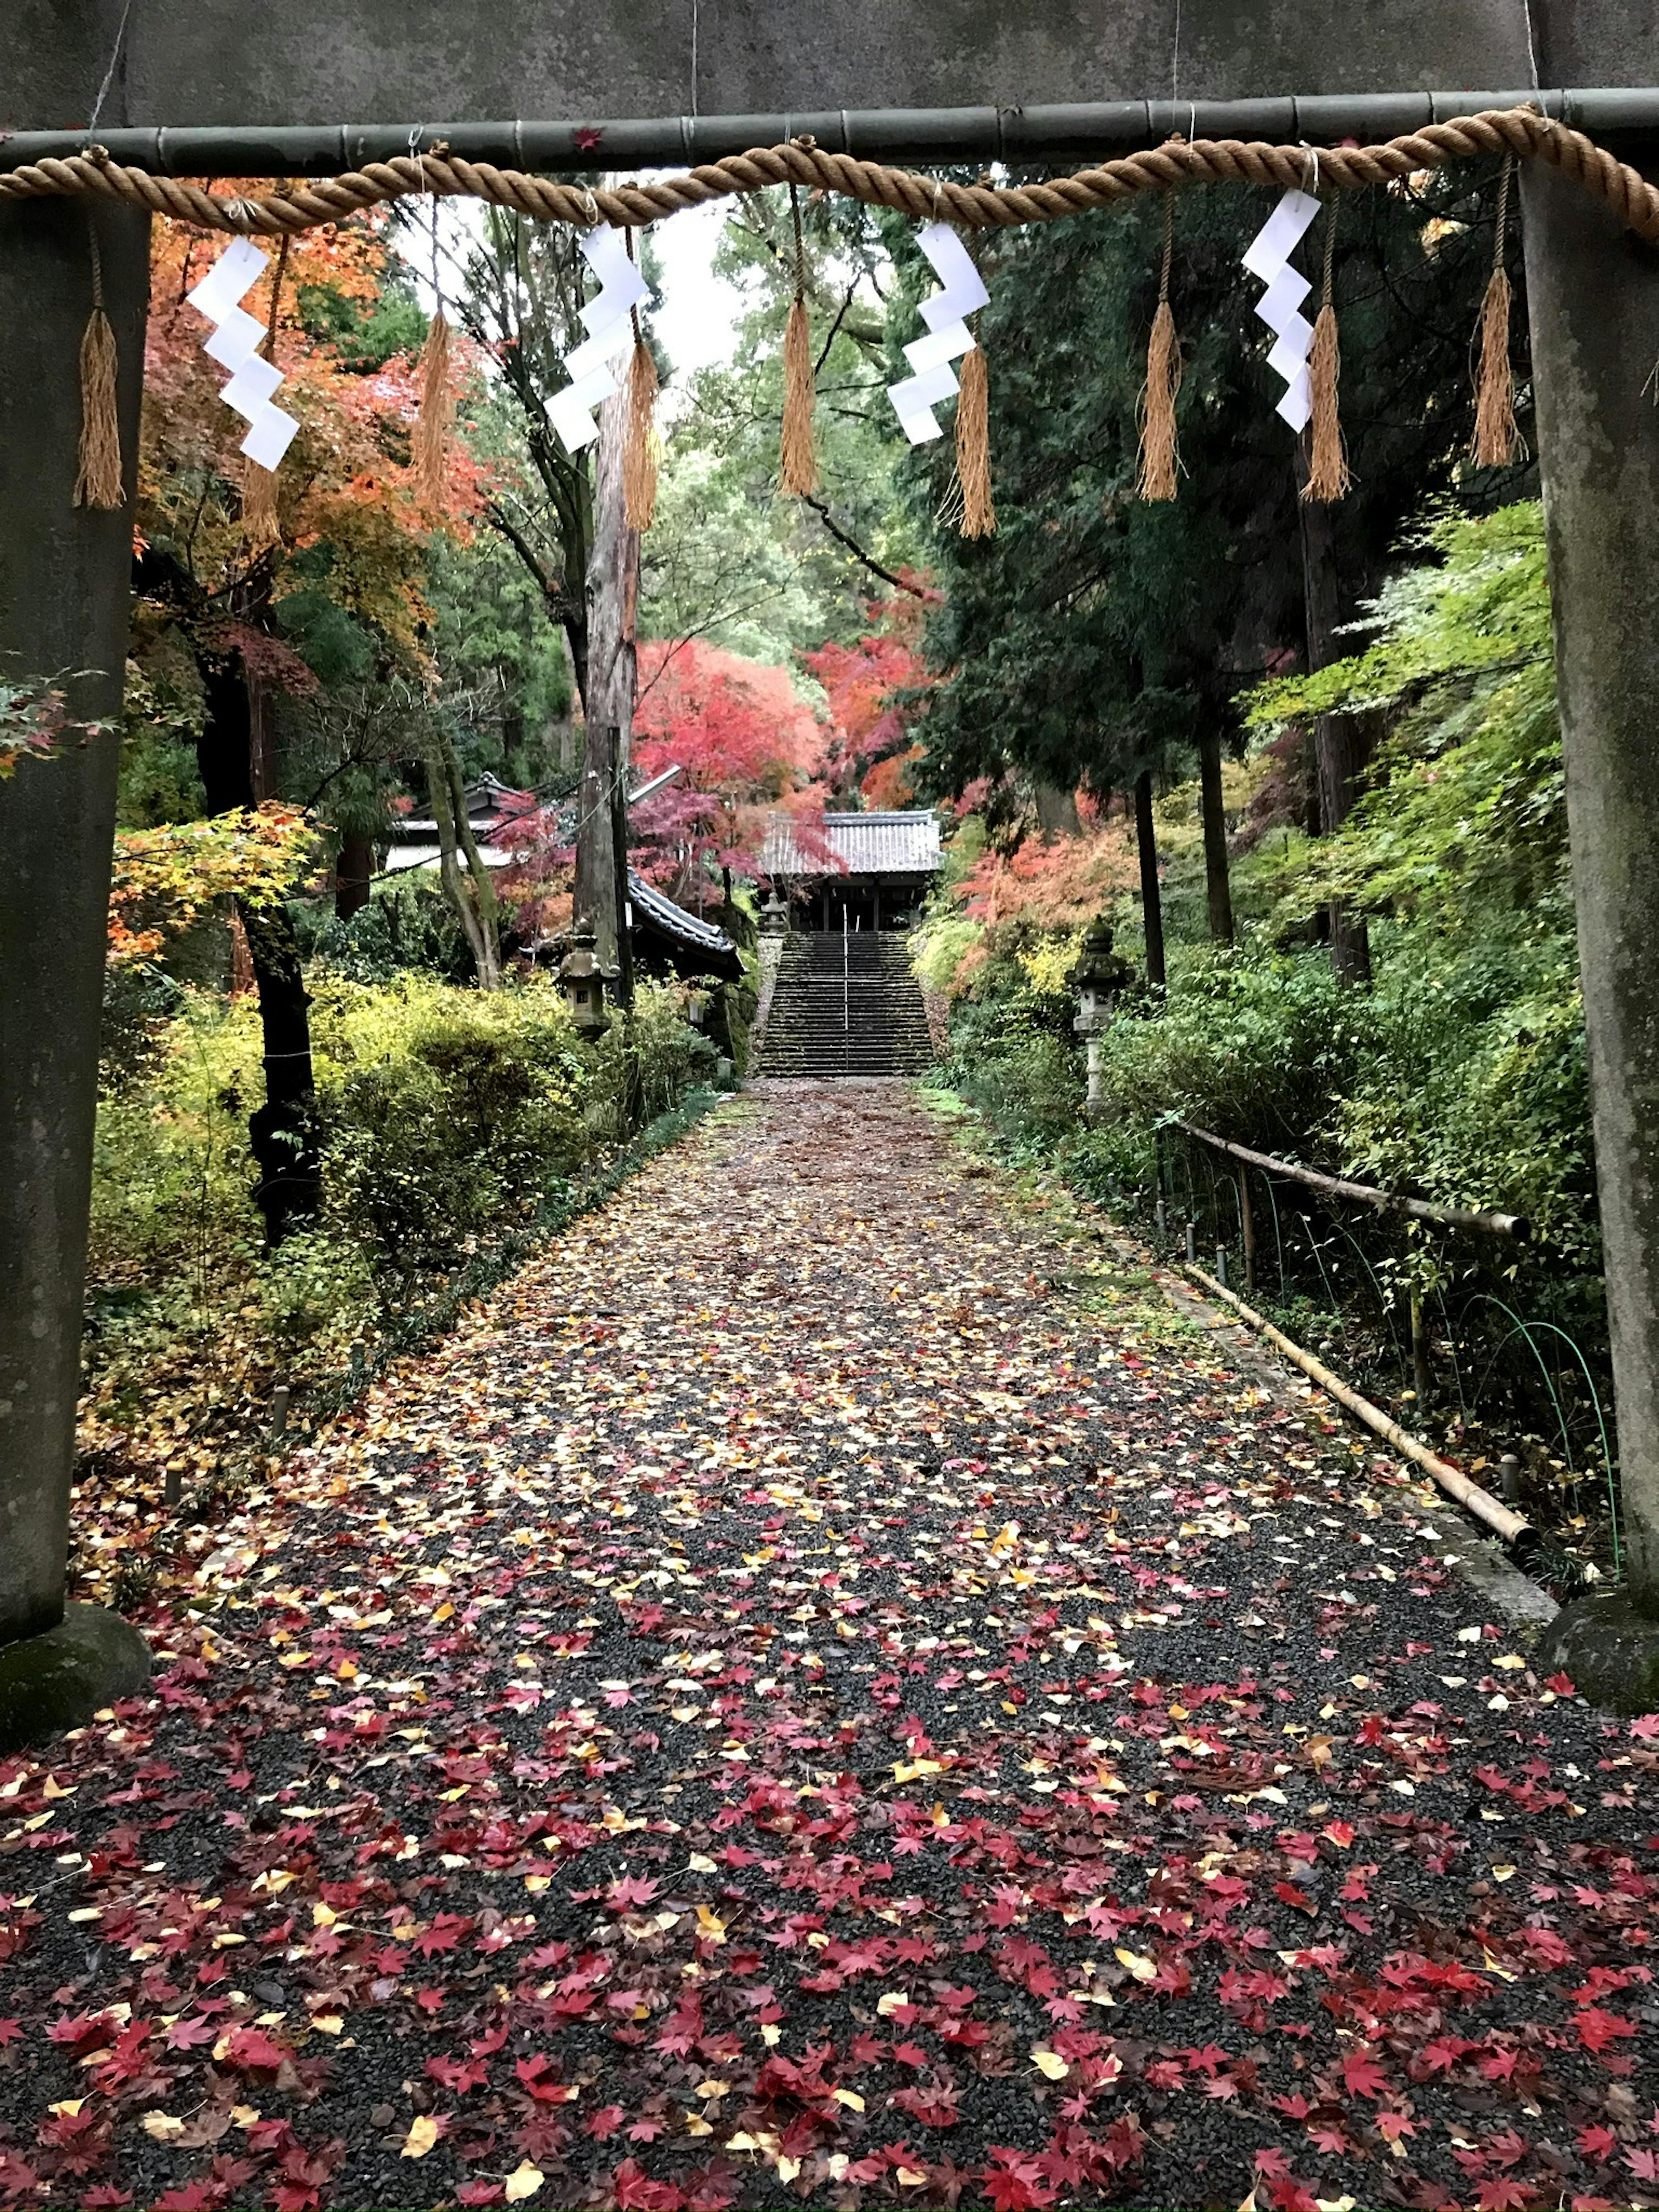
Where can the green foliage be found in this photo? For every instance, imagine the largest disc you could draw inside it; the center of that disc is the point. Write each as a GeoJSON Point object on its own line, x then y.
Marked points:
{"type": "Point", "coordinates": [447, 1115]}
{"type": "Point", "coordinates": [456, 1126]}
{"type": "Point", "coordinates": [1012, 1052]}
{"type": "Point", "coordinates": [727, 559]}
{"type": "Point", "coordinates": [161, 719]}
{"type": "Point", "coordinates": [407, 926]}
{"type": "Point", "coordinates": [445, 1111]}
{"type": "Point", "coordinates": [1096, 634]}
{"type": "Point", "coordinates": [1460, 1074]}
{"type": "Point", "coordinates": [365, 335]}
{"type": "Point", "coordinates": [1464, 823]}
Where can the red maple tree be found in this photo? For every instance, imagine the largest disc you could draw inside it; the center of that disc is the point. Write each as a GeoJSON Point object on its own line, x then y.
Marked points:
{"type": "Point", "coordinates": [873, 687]}
{"type": "Point", "coordinates": [746, 744]}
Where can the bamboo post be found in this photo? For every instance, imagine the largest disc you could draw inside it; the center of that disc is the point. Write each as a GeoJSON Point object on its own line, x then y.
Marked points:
{"type": "Point", "coordinates": [1421, 1379]}
{"type": "Point", "coordinates": [1246, 1226]}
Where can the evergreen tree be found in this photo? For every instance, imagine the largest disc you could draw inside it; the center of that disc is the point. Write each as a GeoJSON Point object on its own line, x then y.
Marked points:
{"type": "Point", "coordinates": [1097, 637]}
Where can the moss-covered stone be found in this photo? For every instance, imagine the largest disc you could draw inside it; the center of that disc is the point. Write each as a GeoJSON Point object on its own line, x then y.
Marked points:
{"type": "Point", "coordinates": [1610, 1650]}
{"type": "Point", "coordinates": [57, 1682]}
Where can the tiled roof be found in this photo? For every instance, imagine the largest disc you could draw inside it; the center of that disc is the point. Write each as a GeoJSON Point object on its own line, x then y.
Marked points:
{"type": "Point", "coordinates": [673, 920]}
{"type": "Point", "coordinates": [899, 843]}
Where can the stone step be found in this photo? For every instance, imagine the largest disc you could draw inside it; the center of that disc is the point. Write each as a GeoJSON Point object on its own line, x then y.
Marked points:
{"type": "Point", "coordinates": [846, 1007]}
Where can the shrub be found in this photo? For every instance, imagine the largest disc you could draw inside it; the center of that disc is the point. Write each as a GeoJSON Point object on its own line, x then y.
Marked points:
{"type": "Point", "coordinates": [444, 1111]}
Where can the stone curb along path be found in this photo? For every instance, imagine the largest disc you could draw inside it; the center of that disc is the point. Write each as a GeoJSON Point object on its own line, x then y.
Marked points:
{"type": "Point", "coordinates": [819, 1691]}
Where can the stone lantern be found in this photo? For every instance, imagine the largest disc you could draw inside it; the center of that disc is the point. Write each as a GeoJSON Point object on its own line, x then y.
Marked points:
{"type": "Point", "coordinates": [773, 915]}
{"type": "Point", "coordinates": [1098, 978]}
{"type": "Point", "coordinates": [583, 983]}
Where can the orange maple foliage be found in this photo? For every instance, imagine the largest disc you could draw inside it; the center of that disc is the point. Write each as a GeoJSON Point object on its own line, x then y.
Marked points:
{"type": "Point", "coordinates": [345, 481]}
{"type": "Point", "coordinates": [866, 683]}
{"type": "Point", "coordinates": [1055, 885]}
{"type": "Point", "coordinates": [163, 878]}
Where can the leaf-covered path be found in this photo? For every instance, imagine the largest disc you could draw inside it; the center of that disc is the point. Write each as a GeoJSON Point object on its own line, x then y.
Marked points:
{"type": "Point", "coordinates": [810, 1696]}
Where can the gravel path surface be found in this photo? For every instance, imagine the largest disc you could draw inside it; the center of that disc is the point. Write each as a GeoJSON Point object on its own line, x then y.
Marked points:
{"type": "Point", "coordinates": [826, 1689]}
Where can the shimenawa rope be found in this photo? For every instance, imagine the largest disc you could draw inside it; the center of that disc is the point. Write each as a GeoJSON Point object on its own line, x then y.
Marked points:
{"type": "Point", "coordinates": [1519, 131]}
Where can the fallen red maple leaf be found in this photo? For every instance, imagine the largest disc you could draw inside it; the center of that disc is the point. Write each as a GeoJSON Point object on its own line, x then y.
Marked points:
{"type": "Point", "coordinates": [1597, 2029]}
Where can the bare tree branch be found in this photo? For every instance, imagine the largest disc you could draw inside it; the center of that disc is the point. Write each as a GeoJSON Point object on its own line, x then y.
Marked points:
{"type": "Point", "coordinates": [867, 559]}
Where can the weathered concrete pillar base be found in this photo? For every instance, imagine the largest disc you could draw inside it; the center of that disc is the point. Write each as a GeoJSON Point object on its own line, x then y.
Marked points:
{"type": "Point", "coordinates": [1610, 1650]}
{"type": "Point", "coordinates": [51, 1683]}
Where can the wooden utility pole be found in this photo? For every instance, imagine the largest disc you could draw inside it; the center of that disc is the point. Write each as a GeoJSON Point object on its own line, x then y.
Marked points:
{"type": "Point", "coordinates": [613, 592]}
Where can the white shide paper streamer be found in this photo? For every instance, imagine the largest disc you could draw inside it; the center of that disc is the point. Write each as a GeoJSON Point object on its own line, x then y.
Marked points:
{"type": "Point", "coordinates": [1280, 305]}
{"type": "Point", "coordinates": [932, 377]}
{"type": "Point", "coordinates": [606, 319]}
{"type": "Point", "coordinates": [234, 345]}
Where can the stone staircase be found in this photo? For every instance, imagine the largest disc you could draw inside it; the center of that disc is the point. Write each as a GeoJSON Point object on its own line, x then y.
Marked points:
{"type": "Point", "coordinates": [846, 1005]}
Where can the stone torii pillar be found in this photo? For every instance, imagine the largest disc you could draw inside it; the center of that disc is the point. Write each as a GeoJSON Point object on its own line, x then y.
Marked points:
{"type": "Point", "coordinates": [63, 599]}
{"type": "Point", "coordinates": [1594, 297]}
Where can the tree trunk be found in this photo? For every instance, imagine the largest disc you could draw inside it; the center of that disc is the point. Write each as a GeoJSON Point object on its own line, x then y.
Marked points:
{"type": "Point", "coordinates": [282, 1132]}
{"type": "Point", "coordinates": [261, 752]}
{"type": "Point", "coordinates": [472, 895]}
{"type": "Point", "coordinates": [1151, 899]}
{"type": "Point", "coordinates": [613, 585]}
{"type": "Point", "coordinates": [1057, 811]}
{"type": "Point", "coordinates": [353, 870]}
{"type": "Point", "coordinates": [1342, 743]}
{"type": "Point", "coordinates": [1217, 882]}
{"type": "Point", "coordinates": [513, 745]}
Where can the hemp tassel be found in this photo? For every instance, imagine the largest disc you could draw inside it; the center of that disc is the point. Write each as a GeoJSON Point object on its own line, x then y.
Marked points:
{"type": "Point", "coordinates": [979, 513]}
{"type": "Point", "coordinates": [1160, 455]}
{"type": "Point", "coordinates": [1497, 436]}
{"type": "Point", "coordinates": [261, 525]}
{"type": "Point", "coordinates": [99, 484]}
{"type": "Point", "coordinates": [639, 438]}
{"type": "Point", "coordinates": [428, 451]}
{"type": "Point", "coordinates": [1329, 477]}
{"type": "Point", "coordinates": [798, 458]}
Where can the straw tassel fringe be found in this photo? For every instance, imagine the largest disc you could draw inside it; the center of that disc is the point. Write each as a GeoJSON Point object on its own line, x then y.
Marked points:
{"type": "Point", "coordinates": [1497, 434]}
{"type": "Point", "coordinates": [261, 525]}
{"type": "Point", "coordinates": [99, 484]}
{"type": "Point", "coordinates": [979, 513]}
{"type": "Point", "coordinates": [639, 444]}
{"type": "Point", "coordinates": [1158, 452]}
{"type": "Point", "coordinates": [1160, 458]}
{"type": "Point", "coordinates": [99, 480]}
{"type": "Point", "coordinates": [797, 458]}
{"type": "Point", "coordinates": [428, 449]}
{"type": "Point", "coordinates": [1497, 439]}
{"type": "Point", "coordinates": [1329, 477]}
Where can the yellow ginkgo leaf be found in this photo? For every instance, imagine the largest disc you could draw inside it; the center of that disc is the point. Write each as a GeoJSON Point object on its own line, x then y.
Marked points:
{"type": "Point", "coordinates": [1050, 2064]}
{"type": "Point", "coordinates": [524, 2181]}
{"type": "Point", "coordinates": [1143, 1968]}
{"type": "Point", "coordinates": [423, 2134]}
